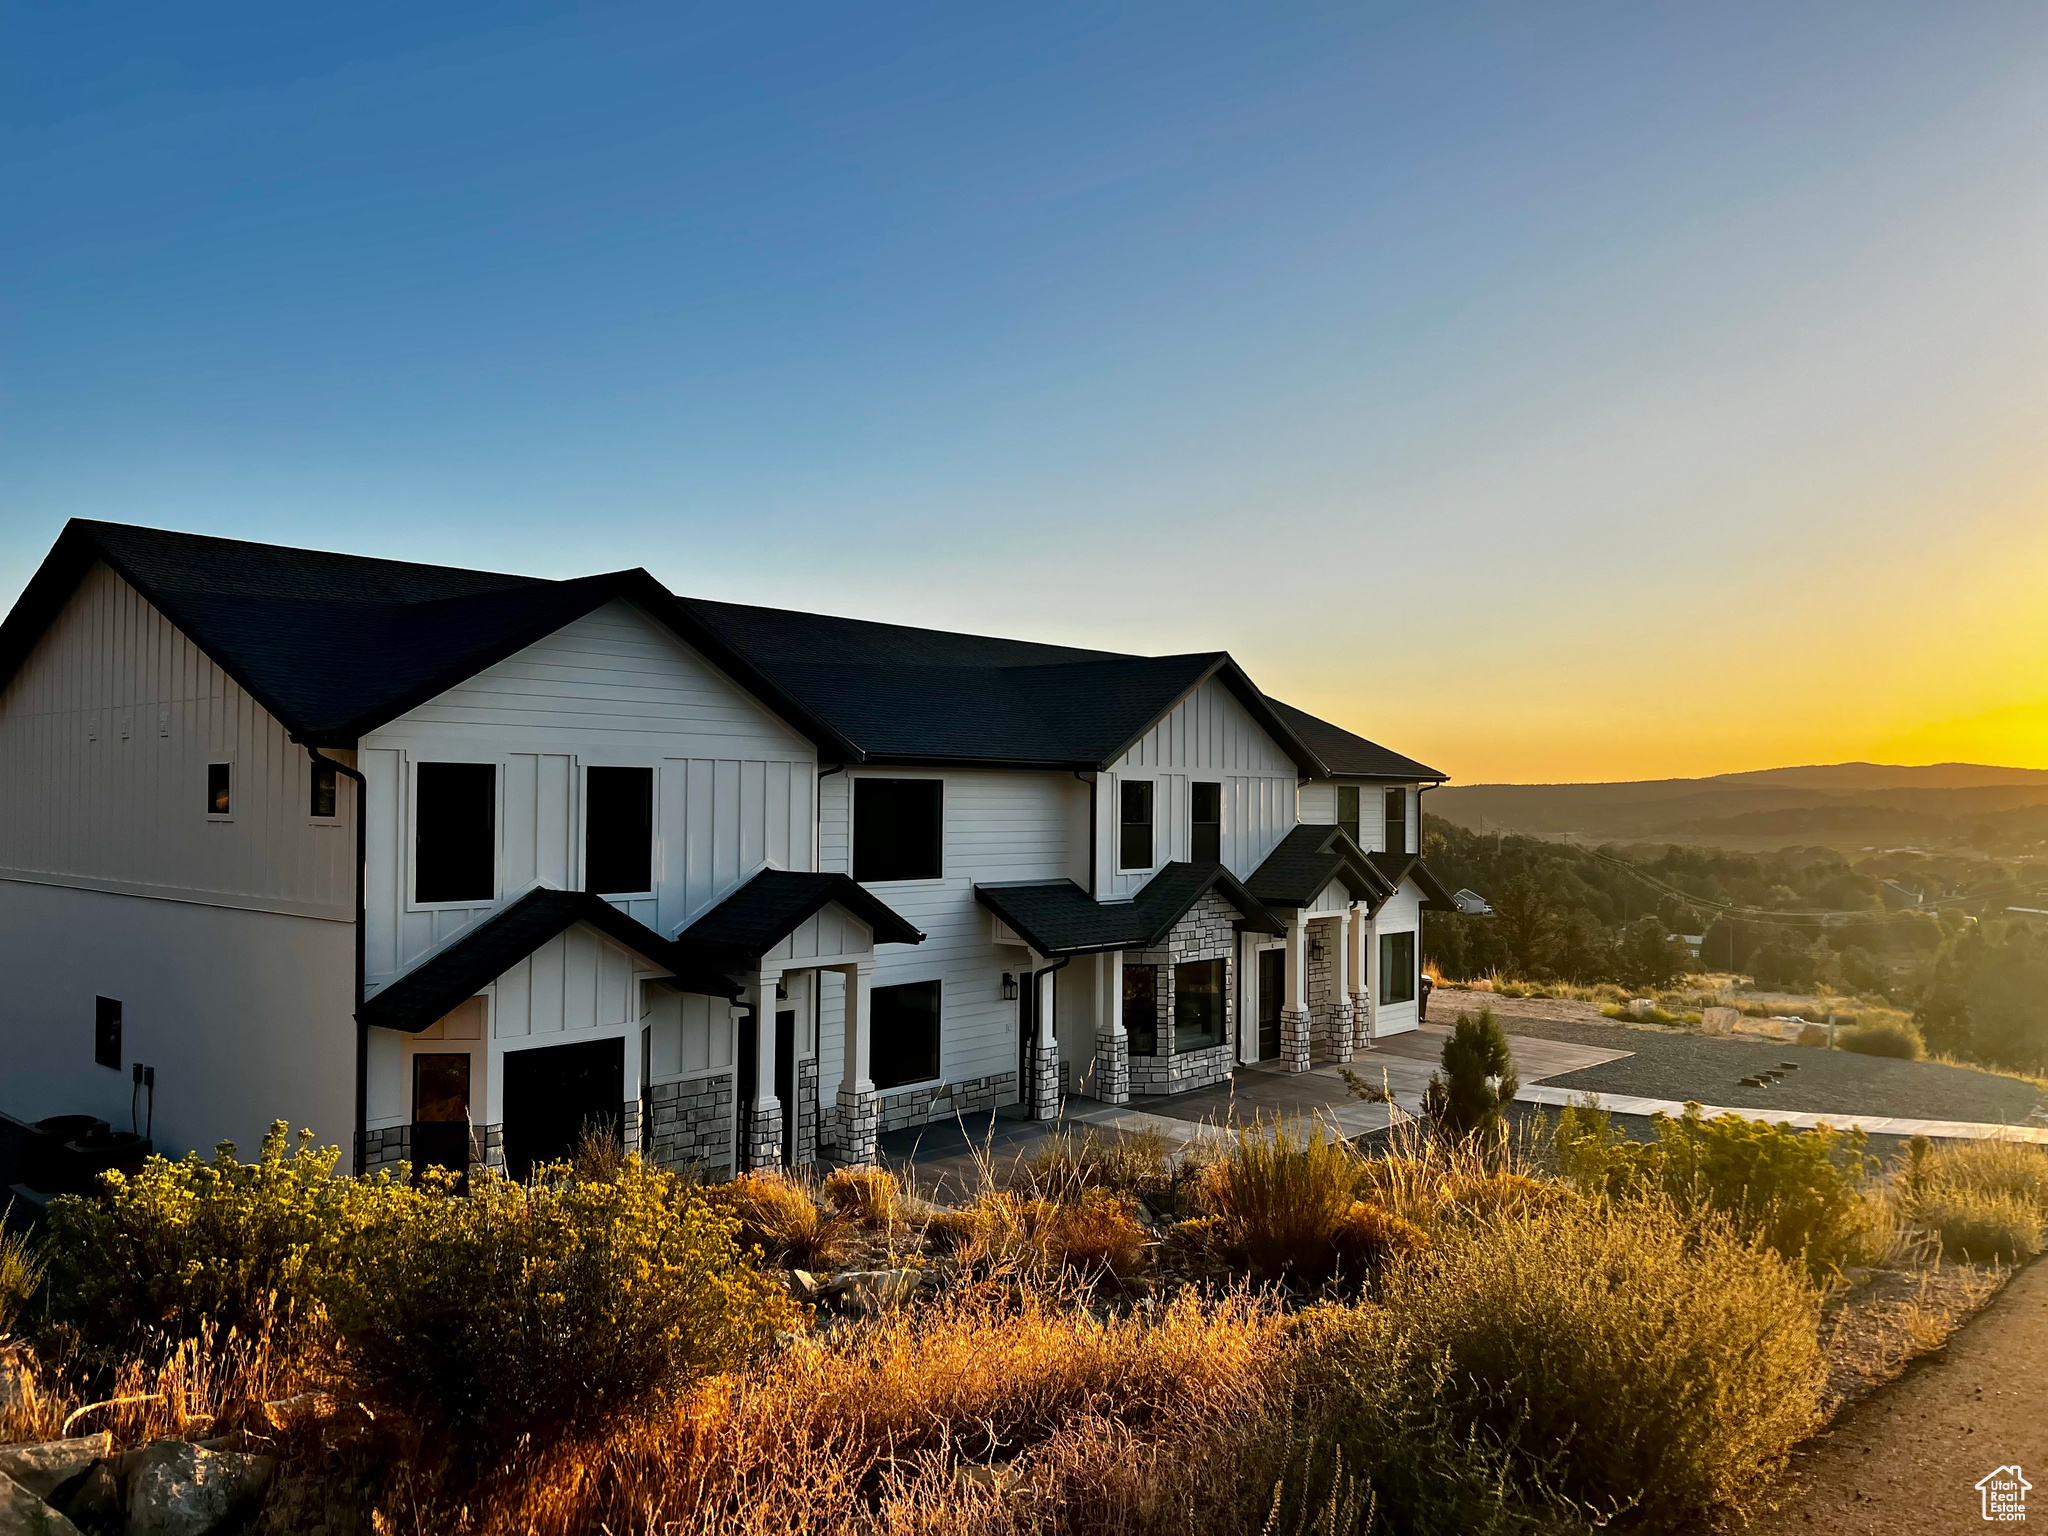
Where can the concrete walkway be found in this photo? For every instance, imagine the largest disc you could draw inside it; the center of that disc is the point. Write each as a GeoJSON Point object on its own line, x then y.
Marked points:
{"type": "Point", "coordinates": [1803, 1120]}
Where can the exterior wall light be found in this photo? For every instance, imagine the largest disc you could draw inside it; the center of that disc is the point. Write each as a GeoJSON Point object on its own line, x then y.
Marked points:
{"type": "Point", "coordinates": [1009, 987]}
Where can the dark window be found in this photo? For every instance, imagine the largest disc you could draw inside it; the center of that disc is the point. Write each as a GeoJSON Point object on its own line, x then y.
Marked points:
{"type": "Point", "coordinates": [905, 1025]}
{"type": "Point", "coordinates": [1347, 809]}
{"type": "Point", "coordinates": [1197, 1005]}
{"type": "Point", "coordinates": [618, 830]}
{"type": "Point", "coordinates": [897, 829]}
{"type": "Point", "coordinates": [1397, 967]}
{"type": "Point", "coordinates": [106, 1032]}
{"type": "Point", "coordinates": [1397, 821]}
{"type": "Point", "coordinates": [1134, 842]}
{"type": "Point", "coordinates": [326, 801]}
{"type": "Point", "coordinates": [455, 832]}
{"type": "Point", "coordinates": [1141, 1008]}
{"type": "Point", "coordinates": [440, 1087]}
{"type": "Point", "coordinates": [1205, 840]}
{"type": "Point", "coordinates": [220, 792]}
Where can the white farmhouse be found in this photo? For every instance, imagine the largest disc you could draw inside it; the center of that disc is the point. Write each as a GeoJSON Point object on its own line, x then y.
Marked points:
{"type": "Point", "coordinates": [464, 862]}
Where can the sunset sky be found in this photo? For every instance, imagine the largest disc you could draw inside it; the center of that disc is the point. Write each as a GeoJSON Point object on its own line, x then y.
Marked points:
{"type": "Point", "coordinates": [1549, 390]}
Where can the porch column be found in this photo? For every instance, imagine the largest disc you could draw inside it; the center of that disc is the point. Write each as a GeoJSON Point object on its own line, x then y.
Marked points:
{"type": "Point", "coordinates": [764, 1131]}
{"type": "Point", "coordinates": [1340, 989]}
{"type": "Point", "coordinates": [1295, 1026]}
{"type": "Point", "coordinates": [1045, 1052]}
{"type": "Point", "coordinates": [1112, 1044]}
{"type": "Point", "coordinates": [1371, 945]}
{"type": "Point", "coordinates": [1361, 999]}
{"type": "Point", "coordinates": [857, 1113]}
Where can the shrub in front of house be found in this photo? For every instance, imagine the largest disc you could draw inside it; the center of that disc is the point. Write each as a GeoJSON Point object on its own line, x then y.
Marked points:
{"type": "Point", "coordinates": [1278, 1198]}
{"type": "Point", "coordinates": [777, 1215]}
{"type": "Point", "coordinates": [527, 1313]}
{"type": "Point", "coordinates": [866, 1195]}
{"type": "Point", "coordinates": [1647, 1364]}
{"type": "Point", "coordinates": [1477, 1080]}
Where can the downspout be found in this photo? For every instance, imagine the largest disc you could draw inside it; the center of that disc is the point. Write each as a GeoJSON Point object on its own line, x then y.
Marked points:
{"type": "Point", "coordinates": [362, 880]}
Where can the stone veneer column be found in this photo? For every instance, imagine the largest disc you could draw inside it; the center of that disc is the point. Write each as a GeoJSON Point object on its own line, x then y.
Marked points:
{"type": "Point", "coordinates": [1361, 1002]}
{"type": "Point", "coordinates": [1112, 1044]}
{"type": "Point", "coordinates": [856, 1111]}
{"type": "Point", "coordinates": [1296, 1026]}
{"type": "Point", "coordinates": [1045, 1052]}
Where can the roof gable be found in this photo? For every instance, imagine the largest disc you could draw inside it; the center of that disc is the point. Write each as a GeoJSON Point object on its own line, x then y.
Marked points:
{"type": "Point", "coordinates": [1057, 917]}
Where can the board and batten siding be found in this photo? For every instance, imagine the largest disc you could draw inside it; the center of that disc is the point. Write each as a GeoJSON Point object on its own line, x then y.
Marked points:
{"type": "Point", "coordinates": [1401, 914]}
{"type": "Point", "coordinates": [1319, 809]}
{"type": "Point", "coordinates": [1000, 824]}
{"type": "Point", "coordinates": [1208, 736]}
{"type": "Point", "coordinates": [733, 784]}
{"type": "Point", "coordinates": [106, 731]}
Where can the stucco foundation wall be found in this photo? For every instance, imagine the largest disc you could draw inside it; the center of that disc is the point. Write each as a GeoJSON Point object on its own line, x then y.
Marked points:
{"type": "Point", "coordinates": [246, 1016]}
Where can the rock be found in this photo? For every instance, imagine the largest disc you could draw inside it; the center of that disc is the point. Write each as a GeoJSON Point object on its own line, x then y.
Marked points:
{"type": "Point", "coordinates": [43, 1469]}
{"type": "Point", "coordinates": [23, 1514]}
{"type": "Point", "coordinates": [177, 1489]}
{"type": "Point", "coordinates": [803, 1285]}
{"type": "Point", "coordinates": [1641, 1007]}
{"type": "Point", "coordinates": [97, 1500]}
{"type": "Point", "coordinates": [865, 1292]}
{"type": "Point", "coordinates": [1719, 1021]}
{"type": "Point", "coordinates": [301, 1408]}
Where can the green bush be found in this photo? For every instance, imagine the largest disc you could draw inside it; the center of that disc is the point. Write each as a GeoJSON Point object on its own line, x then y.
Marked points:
{"type": "Point", "coordinates": [184, 1244]}
{"type": "Point", "coordinates": [1637, 1361]}
{"type": "Point", "coordinates": [1477, 1080]}
{"type": "Point", "coordinates": [1898, 1038]}
{"type": "Point", "coordinates": [524, 1313]}
{"type": "Point", "coordinates": [1799, 1191]}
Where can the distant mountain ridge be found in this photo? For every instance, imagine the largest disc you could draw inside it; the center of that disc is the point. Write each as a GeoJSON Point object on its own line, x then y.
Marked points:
{"type": "Point", "coordinates": [1843, 805]}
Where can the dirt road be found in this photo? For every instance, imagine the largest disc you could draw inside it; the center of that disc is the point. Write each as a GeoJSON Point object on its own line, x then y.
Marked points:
{"type": "Point", "coordinates": [1907, 1459]}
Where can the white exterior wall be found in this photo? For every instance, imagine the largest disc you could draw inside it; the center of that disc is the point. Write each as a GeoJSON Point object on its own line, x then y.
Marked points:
{"type": "Point", "coordinates": [229, 941]}
{"type": "Point", "coordinates": [999, 825]}
{"type": "Point", "coordinates": [1401, 914]}
{"type": "Point", "coordinates": [1208, 736]}
{"type": "Point", "coordinates": [1318, 802]}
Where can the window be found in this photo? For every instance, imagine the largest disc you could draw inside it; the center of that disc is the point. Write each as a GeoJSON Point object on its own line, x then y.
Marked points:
{"type": "Point", "coordinates": [1397, 967]}
{"type": "Point", "coordinates": [1141, 1008]}
{"type": "Point", "coordinates": [106, 1032]}
{"type": "Point", "coordinates": [905, 1025]}
{"type": "Point", "coordinates": [1197, 1005]}
{"type": "Point", "coordinates": [1205, 840]}
{"type": "Point", "coordinates": [1347, 809]}
{"type": "Point", "coordinates": [220, 789]}
{"type": "Point", "coordinates": [618, 830]}
{"type": "Point", "coordinates": [326, 794]}
{"type": "Point", "coordinates": [440, 1087]}
{"type": "Point", "coordinates": [1134, 841]}
{"type": "Point", "coordinates": [897, 827]}
{"type": "Point", "coordinates": [455, 832]}
{"type": "Point", "coordinates": [1397, 821]}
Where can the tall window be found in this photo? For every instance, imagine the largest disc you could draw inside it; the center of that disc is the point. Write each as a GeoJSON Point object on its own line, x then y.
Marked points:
{"type": "Point", "coordinates": [618, 830]}
{"type": "Point", "coordinates": [1197, 1005]}
{"type": "Point", "coordinates": [1397, 967]}
{"type": "Point", "coordinates": [106, 1032]}
{"type": "Point", "coordinates": [220, 789]}
{"type": "Point", "coordinates": [1205, 838]}
{"type": "Point", "coordinates": [898, 827]}
{"type": "Point", "coordinates": [1134, 825]}
{"type": "Point", "coordinates": [905, 1025]}
{"type": "Point", "coordinates": [455, 832]}
{"type": "Point", "coordinates": [1141, 1008]}
{"type": "Point", "coordinates": [1347, 809]}
{"type": "Point", "coordinates": [326, 792]}
{"type": "Point", "coordinates": [1397, 821]}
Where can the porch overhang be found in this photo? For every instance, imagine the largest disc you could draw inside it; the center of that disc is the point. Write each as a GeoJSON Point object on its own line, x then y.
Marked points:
{"type": "Point", "coordinates": [1057, 917]}
{"type": "Point", "coordinates": [429, 991]}
{"type": "Point", "coordinates": [1397, 867]}
{"type": "Point", "coordinates": [1307, 859]}
{"type": "Point", "coordinates": [760, 915]}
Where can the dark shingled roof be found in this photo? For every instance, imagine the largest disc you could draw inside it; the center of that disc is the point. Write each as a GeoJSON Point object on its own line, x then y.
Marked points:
{"type": "Point", "coordinates": [1057, 917]}
{"type": "Point", "coordinates": [1349, 756]}
{"type": "Point", "coordinates": [336, 645]}
{"type": "Point", "coordinates": [1396, 867]}
{"type": "Point", "coordinates": [763, 912]}
{"type": "Point", "coordinates": [1309, 858]}
{"type": "Point", "coordinates": [427, 992]}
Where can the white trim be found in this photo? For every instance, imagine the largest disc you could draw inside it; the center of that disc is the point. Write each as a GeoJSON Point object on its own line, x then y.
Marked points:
{"type": "Point", "coordinates": [409, 837]}
{"type": "Point", "coordinates": [854, 775]}
{"type": "Point", "coordinates": [331, 914]}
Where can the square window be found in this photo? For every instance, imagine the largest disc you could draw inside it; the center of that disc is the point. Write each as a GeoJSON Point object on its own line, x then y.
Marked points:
{"type": "Point", "coordinates": [1141, 1008]}
{"type": "Point", "coordinates": [1347, 809]}
{"type": "Point", "coordinates": [106, 1032]}
{"type": "Point", "coordinates": [1205, 836]}
{"type": "Point", "coordinates": [1197, 1005]}
{"type": "Point", "coordinates": [1134, 836]}
{"type": "Point", "coordinates": [898, 827]}
{"type": "Point", "coordinates": [220, 789]}
{"type": "Point", "coordinates": [904, 1022]}
{"type": "Point", "coordinates": [440, 1087]}
{"type": "Point", "coordinates": [326, 790]}
{"type": "Point", "coordinates": [618, 830]}
{"type": "Point", "coordinates": [1397, 967]}
{"type": "Point", "coordinates": [455, 832]}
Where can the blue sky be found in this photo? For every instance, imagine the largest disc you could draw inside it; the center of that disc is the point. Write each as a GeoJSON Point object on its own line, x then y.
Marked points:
{"type": "Point", "coordinates": [1551, 390]}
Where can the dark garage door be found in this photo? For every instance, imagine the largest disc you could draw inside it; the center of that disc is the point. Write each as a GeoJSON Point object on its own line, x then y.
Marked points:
{"type": "Point", "coordinates": [553, 1093]}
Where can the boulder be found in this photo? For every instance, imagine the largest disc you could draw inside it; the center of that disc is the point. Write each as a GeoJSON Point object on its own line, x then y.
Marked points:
{"type": "Point", "coordinates": [23, 1514]}
{"type": "Point", "coordinates": [1718, 1021]}
{"type": "Point", "coordinates": [1641, 1007]}
{"type": "Point", "coordinates": [96, 1502]}
{"type": "Point", "coordinates": [177, 1489]}
{"type": "Point", "coordinates": [43, 1469]}
{"type": "Point", "coordinates": [866, 1292]}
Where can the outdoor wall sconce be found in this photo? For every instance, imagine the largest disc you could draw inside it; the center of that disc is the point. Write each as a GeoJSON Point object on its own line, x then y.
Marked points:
{"type": "Point", "coordinates": [1009, 988]}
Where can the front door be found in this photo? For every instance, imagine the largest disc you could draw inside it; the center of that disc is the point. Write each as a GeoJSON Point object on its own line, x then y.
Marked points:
{"type": "Point", "coordinates": [1272, 995]}
{"type": "Point", "coordinates": [440, 1111]}
{"type": "Point", "coordinates": [554, 1096]}
{"type": "Point", "coordinates": [785, 1081]}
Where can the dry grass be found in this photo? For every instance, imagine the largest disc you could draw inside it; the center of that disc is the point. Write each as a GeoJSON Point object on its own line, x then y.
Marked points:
{"type": "Point", "coordinates": [866, 1195]}
{"type": "Point", "coordinates": [1278, 1198]}
{"type": "Point", "coordinates": [778, 1215]}
{"type": "Point", "coordinates": [1007, 1233]}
